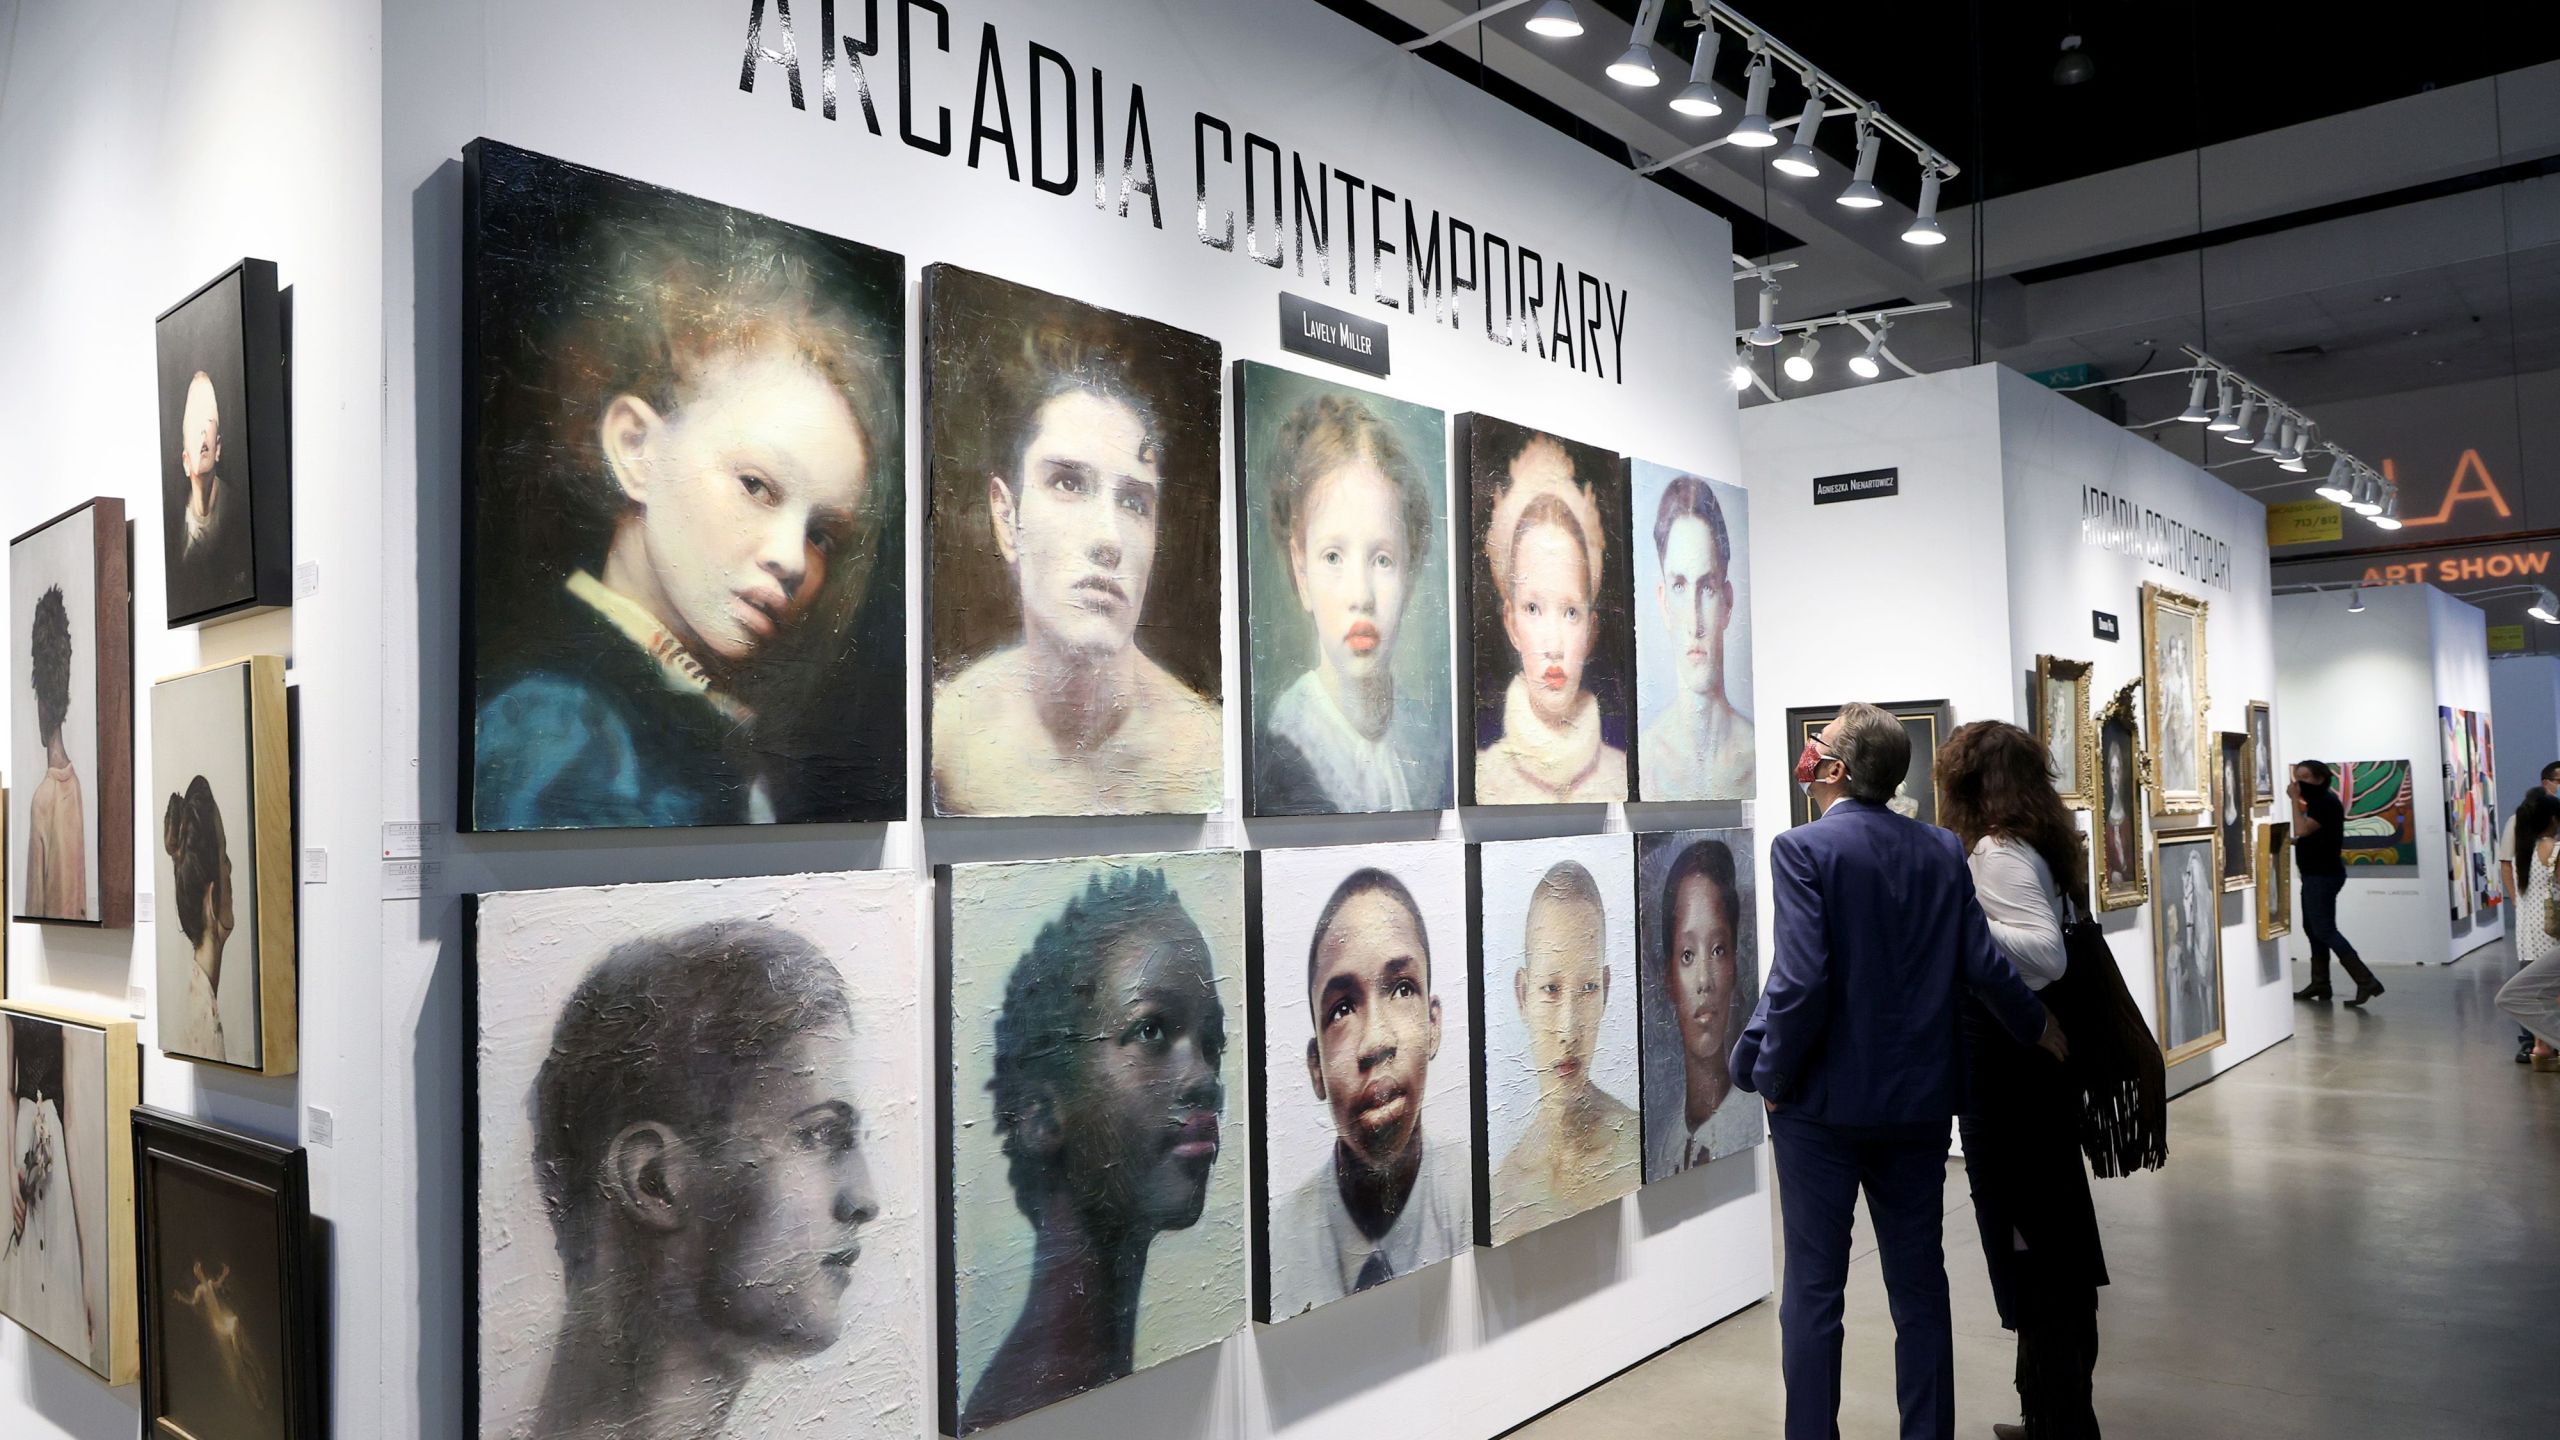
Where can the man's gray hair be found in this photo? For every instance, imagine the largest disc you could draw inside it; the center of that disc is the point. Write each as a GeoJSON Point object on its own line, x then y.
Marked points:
{"type": "Point", "coordinates": [1874, 749]}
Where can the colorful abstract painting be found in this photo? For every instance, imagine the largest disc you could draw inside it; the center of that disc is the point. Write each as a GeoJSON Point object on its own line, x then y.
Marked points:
{"type": "Point", "coordinates": [2382, 822]}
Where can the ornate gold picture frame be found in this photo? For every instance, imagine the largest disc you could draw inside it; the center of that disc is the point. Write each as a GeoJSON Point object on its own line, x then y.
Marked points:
{"type": "Point", "coordinates": [2262, 756]}
{"type": "Point", "coordinates": [2186, 943]}
{"type": "Point", "coordinates": [2275, 879]}
{"type": "Point", "coordinates": [2176, 701]}
{"type": "Point", "coordinates": [2123, 772]}
{"type": "Point", "coordinates": [2060, 702]}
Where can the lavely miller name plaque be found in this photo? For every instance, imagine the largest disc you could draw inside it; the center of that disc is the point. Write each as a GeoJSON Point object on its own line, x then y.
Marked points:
{"type": "Point", "coordinates": [1335, 336]}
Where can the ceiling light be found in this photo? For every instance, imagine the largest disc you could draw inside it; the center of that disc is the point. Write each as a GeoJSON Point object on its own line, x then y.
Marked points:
{"type": "Point", "coordinates": [2295, 443]}
{"type": "Point", "coordinates": [1752, 131]}
{"type": "Point", "coordinates": [2074, 67]}
{"type": "Point", "coordinates": [1924, 226]}
{"type": "Point", "coordinates": [2389, 518]}
{"type": "Point", "coordinates": [1766, 334]}
{"type": "Point", "coordinates": [1557, 20]}
{"type": "Point", "coordinates": [2334, 488]}
{"type": "Point", "coordinates": [1799, 366]}
{"type": "Point", "coordinates": [2222, 421]}
{"type": "Point", "coordinates": [2195, 413]}
{"type": "Point", "coordinates": [2368, 496]}
{"type": "Point", "coordinates": [1870, 364]}
{"type": "Point", "coordinates": [1636, 66]}
{"type": "Point", "coordinates": [1698, 97]}
{"type": "Point", "coordinates": [2240, 434]}
{"type": "Point", "coordinates": [2268, 443]}
{"type": "Point", "coordinates": [1800, 159]}
{"type": "Point", "coordinates": [2545, 606]}
{"type": "Point", "coordinates": [1862, 193]}
{"type": "Point", "coordinates": [1741, 375]}
{"type": "Point", "coordinates": [2355, 601]}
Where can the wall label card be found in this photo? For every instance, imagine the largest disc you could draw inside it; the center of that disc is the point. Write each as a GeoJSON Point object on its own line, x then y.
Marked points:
{"type": "Point", "coordinates": [1857, 485]}
{"type": "Point", "coordinates": [1337, 337]}
{"type": "Point", "coordinates": [2104, 626]}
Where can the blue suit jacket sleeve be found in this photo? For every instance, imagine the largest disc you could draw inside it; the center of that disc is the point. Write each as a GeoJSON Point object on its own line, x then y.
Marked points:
{"type": "Point", "coordinates": [1987, 972]}
{"type": "Point", "coordinates": [1795, 1007]}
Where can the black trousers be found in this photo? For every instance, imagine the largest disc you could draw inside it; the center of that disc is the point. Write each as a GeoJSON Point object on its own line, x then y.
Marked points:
{"type": "Point", "coordinates": [2039, 1233]}
{"type": "Point", "coordinates": [2320, 919]}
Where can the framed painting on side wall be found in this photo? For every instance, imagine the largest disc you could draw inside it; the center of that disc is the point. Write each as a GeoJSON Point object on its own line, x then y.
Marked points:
{"type": "Point", "coordinates": [2177, 698]}
{"type": "Point", "coordinates": [1927, 722]}
{"type": "Point", "coordinates": [2186, 943]}
{"type": "Point", "coordinates": [71, 719]}
{"type": "Point", "coordinates": [2122, 768]}
{"type": "Point", "coordinates": [2231, 807]}
{"type": "Point", "coordinates": [68, 1085]}
{"type": "Point", "coordinates": [2263, 761]}
{"type": "Point", "coordinates": [2063, 721]}
{"type": "Point", "coordinates": [226, 459]}
{"type": "Point", "coordinates": [2274, 861]}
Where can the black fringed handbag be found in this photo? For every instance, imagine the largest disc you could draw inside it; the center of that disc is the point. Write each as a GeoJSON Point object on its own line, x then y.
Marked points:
{"type": "Point", "coordinates": [2115, 1063]}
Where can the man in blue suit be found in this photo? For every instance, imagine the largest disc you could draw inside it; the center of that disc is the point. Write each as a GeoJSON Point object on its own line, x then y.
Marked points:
{"type": "Point", "coordinates": [1857, 1049]}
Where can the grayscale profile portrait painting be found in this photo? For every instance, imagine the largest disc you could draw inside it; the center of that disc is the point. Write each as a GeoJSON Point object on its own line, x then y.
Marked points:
{"type": "Point", "coordinates": [1697, 979]}
{"type": "Point", "coordinates": [1365, 1105]}
{"type": "Point", "coordinates": [701, 1202]}
{"type": "Point", "coordinates": [230, 1340]}
{"type": "Point", "coordinates": [71, 720]}
{"type": "Point", "coordinates": [2186, 941]}
{"type": "Point", "coordinates": [1692, 548]}
{"type": "Point", "coordinates": [1072, 563]}
{"type": "Point", "coordinates": [1095, 1220]}
{"type": "Point", "coordinates": [226, 505]}
{"type": "Point", "coordinates": [1344, 528]}
{"type": "Point", "coordinates": [684, 544]}
{"type": "Point", "coordinates": [1557, 1063]}
{"type": "Point", "coordinates": [1549, 659]}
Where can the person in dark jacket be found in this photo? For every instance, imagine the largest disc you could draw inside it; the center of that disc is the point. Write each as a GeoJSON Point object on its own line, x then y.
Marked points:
{"type": "Point", "coordinates": [1856, 1048]}
{"type": "Point", "coordinates": [2319, 828]}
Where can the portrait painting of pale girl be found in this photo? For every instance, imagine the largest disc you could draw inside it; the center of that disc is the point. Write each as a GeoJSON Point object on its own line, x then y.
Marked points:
{"type": "Point", "coordinates": [1075, 572]}
{"type": "Point", "coordinates": [686, 544]}
{"type": "Point", "coordinates": [1554, 727]}
{"type": "Point", "coordinates": [1347, 598]}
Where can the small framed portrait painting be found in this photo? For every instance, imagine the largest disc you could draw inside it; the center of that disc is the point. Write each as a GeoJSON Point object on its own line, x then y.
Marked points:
{"type": "Point", "coordinates": [2065, 724]}
{"type": "Point", "coordinates": [226, 459]}
{"type": "Point", "coordinates": [222, 792]}
{"type": "Point", "coordinates": [2175, 693]}
{"type": "Point", "coordinates": [230, 1307]}
{"type": "Point", "coordinates": [2263, 763]}
{"type": "Point", "coordinates": [2274, 861]}
{"type": "Point", "coordinates": [68, 1085]}
{"type": "Point", "coordinates": [1927, 722]}
{"type": "Point", "coordinates": [1697, 981]}
{"type": "Point", "coordinates": [2186, 942]}
{"type": "Point", "coordinates": [2122, 768]}
{"type": "Point", "coordinates": [71, 719]}
{"type": "Point", "coordinates": [2231, 807]}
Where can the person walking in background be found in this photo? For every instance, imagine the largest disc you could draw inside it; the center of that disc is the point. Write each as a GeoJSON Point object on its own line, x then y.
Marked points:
{"type": "Point", "coordinates": [2319, 830]}
{"type": "Point", "coordinates": [2021, 1122]}
{"type": "Point", "coordinates": [2533, 996]}
{"type": "Point", "coordinates": [2528, 1045]}
{"type": "Point", "coordinates": [1854, 1047]}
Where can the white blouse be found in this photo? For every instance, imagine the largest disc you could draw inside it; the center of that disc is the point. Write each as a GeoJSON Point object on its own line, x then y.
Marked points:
{"type": "Point", "coordinates": [2024, 906]}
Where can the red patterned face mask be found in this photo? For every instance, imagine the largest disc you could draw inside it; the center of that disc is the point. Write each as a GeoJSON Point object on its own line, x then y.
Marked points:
{"type": "Point", "coordinates": [1810, 761]}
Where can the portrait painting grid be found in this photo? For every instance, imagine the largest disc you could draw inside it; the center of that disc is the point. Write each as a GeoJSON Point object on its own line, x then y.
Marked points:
{"type": "Point", "coordinates": [1663, 626]}
{"type": "Point", "coordinates": [1197, 1287]}
{"type": "Point", "coordinates": [729, 672]}
{"type": "Point", "coordinates": [1283, 643]}
{"type": "Point", "coordinates": [62, 555]}
{"type": "Point", "coordinates": [1491, 445]}
{"type": "Point", "coordinates": [533, 951]}
{"type": "Point", "coordinates": [200, 727]}
{"type": "Point", "coordinates": [205, 336]}
{"type": "Point", "coordinates": [55, 1278]}
{"type": "Point", "coordinates": [1738, 1120]}
{"type": "Point", "coordinates": [1511, 872]}
{"type": "Point", "coordinates": [219, 1323]}
{"type": "Point", "coordinates": [996, 353]}
{"type": "Point", "coordinates": [1298, 1128]}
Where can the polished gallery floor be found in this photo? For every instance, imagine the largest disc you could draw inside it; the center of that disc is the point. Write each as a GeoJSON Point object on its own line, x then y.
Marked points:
{"type": "Point", "coordinates": [2357, 1235]}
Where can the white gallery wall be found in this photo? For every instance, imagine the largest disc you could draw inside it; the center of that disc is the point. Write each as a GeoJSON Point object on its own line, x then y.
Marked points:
{"type": "Point", "coordinates": [2524, 693]}
{"type": "Point", "coordinates": [1949, 589]}
{"type": "Point", "coordinates": [2366, 686]}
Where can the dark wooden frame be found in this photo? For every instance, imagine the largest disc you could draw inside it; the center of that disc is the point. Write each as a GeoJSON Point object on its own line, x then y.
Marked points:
{"type": "Point", "coordinates": [281, 1174]}
{"type": "Point", "coordinates": [1805, 721]}
{"type": "Point", "coordinates": [2226, 743]}
{"type": "Point", "coordinates": [113, 627]}
{"type": "Point", "coordinates": [266, 440]}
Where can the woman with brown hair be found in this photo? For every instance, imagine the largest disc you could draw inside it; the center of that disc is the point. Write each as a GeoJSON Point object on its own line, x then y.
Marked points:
{"type": "Point", "coordinates": [2021, 1121]}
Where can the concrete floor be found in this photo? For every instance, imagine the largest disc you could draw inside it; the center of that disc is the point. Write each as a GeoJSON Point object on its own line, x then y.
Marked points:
{"type": "Point", "coordinates": [2357, 1235]}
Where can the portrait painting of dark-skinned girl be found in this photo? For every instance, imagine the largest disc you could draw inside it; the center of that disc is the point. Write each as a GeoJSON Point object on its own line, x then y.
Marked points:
{"type": "Point", "coordinates": [684, 543]}
{"type": "Point", "coordinates": [1094, 1189]}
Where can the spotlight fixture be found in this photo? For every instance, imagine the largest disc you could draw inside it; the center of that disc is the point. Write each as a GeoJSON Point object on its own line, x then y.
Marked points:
{"type": "Point", "coordinates": [1557, 20]}
{"type": "Point", "coordinates": [1862, 193]}
{"type": "Point", "coordinates": [2335, 488]}
{"type": "Point", "coordinates": [1799, 366]}
{"type": "Point", "coordinates": [1924, 225]}
{"type": "Point", "coordinates": [2368, 496]}
{"type": "Point", "coordinates": [2195, 413]}
{"type": "Point", "coordinates": [1766, 334]}
{"type": "Point", "coordinates": [2222, 423]}
{"type": "Point", "coordinates": [2545, 606]}
{"type": "Point", "coordinates": [1698, 97]}
{"type": "Point", "coordinates": [1870, 364]}
{"type": "Point", "coordinates": [2269, 442]}
{"type": "Point", "coordinates": [2240, 433]}
{"type": "Point", "coordinates": [1800, 159]}
{"type": "Point", "coordinates": [2389, 518]}
{"type": "Point", "coordinates": [2074, 67]}
{"type": "Point", "coordinates": [2355, 601]}
{"type": "Point", "coordinates": [1741, 375]}
{"type": "Point", "coordinates": [1752, 131]}
{"type": "Point", "coordinates": [1636, 66]}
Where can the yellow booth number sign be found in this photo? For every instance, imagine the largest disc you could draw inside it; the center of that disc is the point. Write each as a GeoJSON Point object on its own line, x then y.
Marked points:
{"type": "Point", "coordinates": [2304, 522]}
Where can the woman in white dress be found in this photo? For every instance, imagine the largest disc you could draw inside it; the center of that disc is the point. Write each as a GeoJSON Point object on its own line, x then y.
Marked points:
{"type": "Point", "coordinates": [2533, 996]}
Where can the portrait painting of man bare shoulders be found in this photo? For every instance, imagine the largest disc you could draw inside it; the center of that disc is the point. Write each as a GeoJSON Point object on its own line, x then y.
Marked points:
{"type": "Point", "coordinates": [1693, 636]}
{"type": "Point", "coordinates": [1073, 566]}
{"type": "Point", "coordinates": [684, 545]}
{"type": "Point", "coordinates": [700, 1203]}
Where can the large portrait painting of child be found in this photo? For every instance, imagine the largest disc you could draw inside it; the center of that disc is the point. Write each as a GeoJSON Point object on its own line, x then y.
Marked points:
{"type": "Point", "coordinates": [683, 538]}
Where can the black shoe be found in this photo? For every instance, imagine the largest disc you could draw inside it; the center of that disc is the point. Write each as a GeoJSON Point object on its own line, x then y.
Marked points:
{"type": "Point", "coordinates": [2313, 992]}
{"type": "Point", "coordinates": [2365, 990]}
{"type": "Point", "coordinates": [2524, 1049]}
